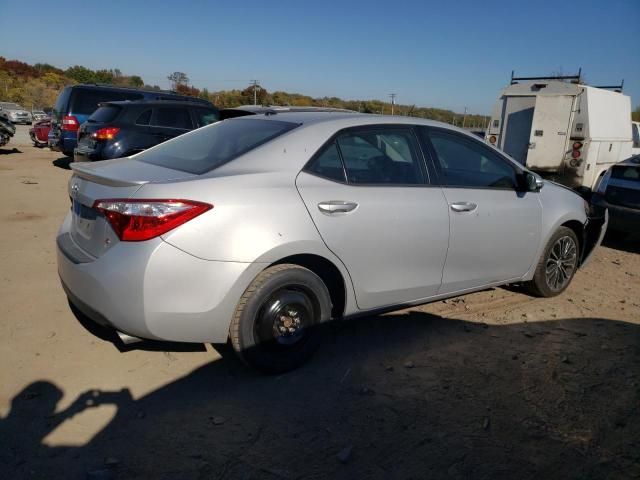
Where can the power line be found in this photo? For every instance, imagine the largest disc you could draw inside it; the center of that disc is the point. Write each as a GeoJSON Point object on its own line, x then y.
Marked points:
{"type": "Point", "coordinates": [255, 90]}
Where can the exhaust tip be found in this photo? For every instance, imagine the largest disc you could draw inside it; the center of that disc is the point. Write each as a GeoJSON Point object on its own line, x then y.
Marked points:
{"type": "Point", "coordinates": [128, 339]}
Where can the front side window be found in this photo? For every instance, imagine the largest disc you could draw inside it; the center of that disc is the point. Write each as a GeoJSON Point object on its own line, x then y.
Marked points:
{"type": "Point", "coordinates": [464, 162]}
{"type": "Point", "coordinates": [381, 157]}
{"type": "Point", "coordinates": [209, 147]}
{"type": "Point", "coordinates": [173, 117]}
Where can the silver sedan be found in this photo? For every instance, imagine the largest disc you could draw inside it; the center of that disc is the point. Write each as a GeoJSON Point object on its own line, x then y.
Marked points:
{"type": "Point", "coordinates": [261, 229]}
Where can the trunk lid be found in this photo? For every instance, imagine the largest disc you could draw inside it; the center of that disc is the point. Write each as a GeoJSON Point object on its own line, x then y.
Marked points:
{"type": "Point", "coordinates": [120, 178]}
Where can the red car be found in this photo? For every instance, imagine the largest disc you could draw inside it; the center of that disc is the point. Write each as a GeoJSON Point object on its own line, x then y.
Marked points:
{"type": "Point", "coordinates": [39, 132]}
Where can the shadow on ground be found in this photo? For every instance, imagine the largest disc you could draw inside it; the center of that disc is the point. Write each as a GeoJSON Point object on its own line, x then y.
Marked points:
{"type": "Point", "coordinates": [395, 396]}
{"type": "Point", "coordinates": [63, 162]}
{"type": "Point", "coordinates": [8, 150]}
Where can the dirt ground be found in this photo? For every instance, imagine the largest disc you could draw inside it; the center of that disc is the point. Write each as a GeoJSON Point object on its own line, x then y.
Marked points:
{"type": "Point", "coordinates": [491, 385]}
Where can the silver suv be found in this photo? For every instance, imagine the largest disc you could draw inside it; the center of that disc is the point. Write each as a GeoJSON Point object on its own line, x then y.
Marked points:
{"type": "Point", "coordinates": [16, 113]}
{"type": "Point", "coordinates": [263, 228]}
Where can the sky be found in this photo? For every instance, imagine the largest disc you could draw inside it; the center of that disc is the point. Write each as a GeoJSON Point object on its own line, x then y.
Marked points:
{"type": "Point", "coordinates": [447, 53]}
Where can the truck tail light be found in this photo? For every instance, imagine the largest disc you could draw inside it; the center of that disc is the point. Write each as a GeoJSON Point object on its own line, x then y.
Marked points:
{"type": "Point", "coordinates": [106, 133]}
{"type": "Point", "coordinates": [70, 123]}
{"type": "Point", "coordinates": [138, 220]}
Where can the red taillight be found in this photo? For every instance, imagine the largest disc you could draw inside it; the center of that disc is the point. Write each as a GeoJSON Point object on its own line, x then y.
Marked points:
{"type": "Point", "coordinates": [575, 154]}
{"type": "Point", "coordinates": [138, 220]}
{"type": "Point", "coordinates": [577, 145]}
{"type": "Point", "coordinates": [70, 123]}
{"type": "Point", "coordinates": [106, 133]}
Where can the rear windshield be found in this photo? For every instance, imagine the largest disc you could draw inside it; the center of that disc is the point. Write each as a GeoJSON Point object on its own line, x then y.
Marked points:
{"type": "Point", "coordinates": [105, 114]}
{"type": "Point", "coordinates": [85, 101]}
{"type": "Point", "coordinates": [624, 172]}
{"type": "Point", "coordinates": [207, 148]}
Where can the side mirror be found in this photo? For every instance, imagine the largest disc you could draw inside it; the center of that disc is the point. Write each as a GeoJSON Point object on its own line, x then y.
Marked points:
{"type": "Point", "coordinates": [533, 182]}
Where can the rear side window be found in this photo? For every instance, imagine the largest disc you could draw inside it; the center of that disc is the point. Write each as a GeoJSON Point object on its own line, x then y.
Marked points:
{"type": "Point", "coordinates": [85, 101]}
{"type": "Point", "coordinates": [105, 114]}
{"type": "Point", "coordinates": [207, 148]}
{"type": "Point", "coordinates": [61, 103]}
{"type": "Point", "coordinates": [381, 157]}
{"type": "Point", "coordinates": [328, 164]}
{"type": "Point", "coordinates": [144, 118]}
{"type": "Point", "coordinates": [173, 117]}
{"type": "Point", "coordinates": [464, 162]}
{"type": "Point", "coordinates": [205, 116]}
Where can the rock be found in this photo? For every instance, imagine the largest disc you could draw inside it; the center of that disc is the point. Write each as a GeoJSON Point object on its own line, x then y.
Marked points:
{"type": "Point", "coordinates": [366, 391]}
{"type": "Point", "coordinates": [51, 335]}
{"type": "Point", "coordinates": [31, 182]}
{"type": "Point", "coordinates": [111, 462]}
{"type": "Point", "coordinates": [217, 420]}
{"type": "Point", "coordinates": [345, 454]}
{"type": "Point", "coordinates": [565, 360]}
{"type": "Point", "coordinates": [485, 423]}
{"type": "Point", "coordinates": [616, 262]}
{"type": "Point", "coordinates": [409, 364]}
{"type": "Point", "coordinates": [100, 474]}
{"type": "Point", "coordinates": [528, 335]}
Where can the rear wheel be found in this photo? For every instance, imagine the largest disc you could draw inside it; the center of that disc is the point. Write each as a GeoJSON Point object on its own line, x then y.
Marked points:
{"type": "Point", "coordinates": [276, 325]}
{"type": "Point", "coordinates": [557, 265]}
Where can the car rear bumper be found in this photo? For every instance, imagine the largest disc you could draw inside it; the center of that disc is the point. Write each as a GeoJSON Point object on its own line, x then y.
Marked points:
{"type": "Point", "coordinates": [153, 290]}
{"type": "Point", "coordinates": [623, 219]}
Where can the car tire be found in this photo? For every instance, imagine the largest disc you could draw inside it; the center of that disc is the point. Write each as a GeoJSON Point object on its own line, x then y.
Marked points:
{"type": "Point", "coordinates": [277, 324]}
{"type": "Point", "coordinates": [557, 265]}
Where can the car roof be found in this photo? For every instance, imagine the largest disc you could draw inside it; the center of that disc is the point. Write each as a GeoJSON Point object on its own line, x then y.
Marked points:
{"type": "Point", "coordinates": [178, 103]}
{"type": "Point", "coordinates": [345, 117]}
{"type": "Point", "coordinates": [286, 108]}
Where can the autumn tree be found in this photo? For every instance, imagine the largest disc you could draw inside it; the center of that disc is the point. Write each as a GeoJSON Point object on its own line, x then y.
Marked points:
{"type": "Point", "coordinates": [178, 78]}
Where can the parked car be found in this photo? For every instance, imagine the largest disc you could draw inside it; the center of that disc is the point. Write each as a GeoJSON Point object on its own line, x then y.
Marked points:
{"type": "Point", "coordinates": [39, 133]}
{"type": "Point", "coordinates": [245, 110]}
{"type": "Point", "coordinates": [120, 129]}
{"type": "Point", "coordinates": [77, 102]}
{"type": "Point", "coordinates": [261, 228]}
{"type": "Point", "coordinates": [39, 115]}
{"type": "Point", "coordinates": [16, 113]}
{"type": "Point", "coordinates": [619, 192]}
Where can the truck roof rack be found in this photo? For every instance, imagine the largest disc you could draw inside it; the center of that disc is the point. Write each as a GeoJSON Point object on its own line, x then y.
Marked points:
{"type": "Point", "coordinates": [617, 88]}
{"type": "Point", "coordinates": [575, 78]}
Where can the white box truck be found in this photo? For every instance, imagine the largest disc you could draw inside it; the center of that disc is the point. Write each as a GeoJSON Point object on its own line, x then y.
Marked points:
{"type": "Point", "coordinates": [564, 130]}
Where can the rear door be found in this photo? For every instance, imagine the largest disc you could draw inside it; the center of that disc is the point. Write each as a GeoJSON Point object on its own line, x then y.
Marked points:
{"type": "Point", "coordinates": [168, 122]}
{"type": "Point", "coordinates": [369, 195]}
{"type": "Point", "coordinates": [550, 131]}
{"type": "Point", "coordinates": [517, 115]}
{"type": "Point", "coordinates": [495, 228]}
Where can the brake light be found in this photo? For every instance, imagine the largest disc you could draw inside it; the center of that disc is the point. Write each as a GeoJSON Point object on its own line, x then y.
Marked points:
{"type": "Point", "coordinates": [70, 123]}
{"type": "Point", "coordinates": [138, 220]}
{"type": "Point", "coordinates": [106, 133]}
{"type": "Point", "coordinates": [575, 154]}
{"type": "Point", "coordinates": [577, 145]}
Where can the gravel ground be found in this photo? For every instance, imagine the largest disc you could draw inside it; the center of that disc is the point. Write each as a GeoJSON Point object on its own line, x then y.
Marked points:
{"type": "Point", "coordinates": [490, 385]}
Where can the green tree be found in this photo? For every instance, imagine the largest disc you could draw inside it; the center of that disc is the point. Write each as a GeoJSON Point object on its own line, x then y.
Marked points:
{"type": "Point", "coordinates": [178, 78]}
{"type": "Point", "coordinates": [635, 115]}
{"type": "Point", "coordinates": [81, 74]}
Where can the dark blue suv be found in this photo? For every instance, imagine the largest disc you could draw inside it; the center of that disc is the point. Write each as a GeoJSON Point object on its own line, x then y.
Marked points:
{"type": "Point", "coordinates": [121, 129]}
{"type": "Point", "coordinates": [76, 103]}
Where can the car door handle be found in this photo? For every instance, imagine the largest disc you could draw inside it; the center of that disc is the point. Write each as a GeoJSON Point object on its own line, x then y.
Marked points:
{"type": "Point", "coordinates": [337, 206]}
{"type": "Point", "coordinates": [463, 206]}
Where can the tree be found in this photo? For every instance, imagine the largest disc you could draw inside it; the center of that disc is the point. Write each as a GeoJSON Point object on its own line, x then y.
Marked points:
{"type": "Point", "coordinates": [635, 116]}
{"type": "Point", "coordinates": [136, 81]}
{"type": "Point", "coordinates": [178, 78]}
{"type": "Point", "coordinates": [81, 74]}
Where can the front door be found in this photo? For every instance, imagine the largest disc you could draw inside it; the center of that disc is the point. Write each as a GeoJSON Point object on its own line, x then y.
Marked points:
{"type": "Point", "coordinates": [369, 195]}
{"type": "Point", "coordinates": [495, 227]}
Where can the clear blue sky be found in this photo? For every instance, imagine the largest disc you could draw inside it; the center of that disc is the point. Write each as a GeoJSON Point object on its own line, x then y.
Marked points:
{"type": "Point", "coordinates": [445, 53]}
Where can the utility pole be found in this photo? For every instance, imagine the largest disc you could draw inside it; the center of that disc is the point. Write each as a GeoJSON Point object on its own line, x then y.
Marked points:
{"type": "Point", "coordinates": [393, 101]}
{"type": "Point", "coordinates": [464, 119]}
{"type": "Point", "coordinates": [255, 89]}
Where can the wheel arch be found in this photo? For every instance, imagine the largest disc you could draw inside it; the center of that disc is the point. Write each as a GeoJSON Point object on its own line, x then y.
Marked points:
{"type": "Point", "coordinates": [578, 229]}
{"type": "Point", "coordinates": [328, 272]}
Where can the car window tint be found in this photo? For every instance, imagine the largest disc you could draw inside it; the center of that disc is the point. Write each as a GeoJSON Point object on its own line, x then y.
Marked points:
{"type": "Point", "coordinates": [85, 101]}
{"type": "Point", "coordinates": [381, 157]}
{"type": "Point", "coordinates": [328, 164]}
{"type": "Point", "coordinates": [465, 162]}
{"type": "Point", "coordinates": [209, 147]}
{"type": "Point", "coordinates": [105, 114]}
{"type": "Point", "coordinates": [144, 118]}
{"type": "Point", "coordinates": [635, 130]}
{"type": "Point", "coordinates": [205, 116]}
{"type": "Point", "coordinates": [173, 117]}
